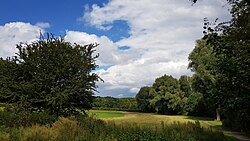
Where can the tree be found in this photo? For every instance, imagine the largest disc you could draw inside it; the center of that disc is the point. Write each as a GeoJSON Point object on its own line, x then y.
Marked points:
{"type": "Point", "coordinates": [10, 81]}
{"type": "Point", "coordinates": [232, 51]}
{"type": "Point", "coordinates": [167, 96]}
{"type": "Point", "coordinates": [143, 98]}
{"type": "Point", "coordinates": [233, 65]}
{"type": "Point", "coordinates": [55, 77]}
{"type": "Point", "coordinates": [203, 63]}
{"type": "Point", "coordinates": [185, 85]}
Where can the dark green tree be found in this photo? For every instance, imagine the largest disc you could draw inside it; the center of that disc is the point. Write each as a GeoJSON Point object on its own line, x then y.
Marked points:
{"type": "Point", "coordinates": [55, 77]}
{"type": "Point", "coordinates": [233, 63]}
{"type": "Point", "coordinates": [185, 85]}
{"type": "Point", "coordinates": [231, 46]}
{"type": "Point", "coordinates": [143, 98]}
{"type": "Point", "coordinates": [203, 63]}
{"type": "Point", "coordinates": [167, 96]}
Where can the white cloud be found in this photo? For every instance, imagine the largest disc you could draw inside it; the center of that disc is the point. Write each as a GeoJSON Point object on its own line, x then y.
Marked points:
{"type": "Point", "coordinates": [43, 25]}
{"type": "Point", "coordinates": [107, 49]}
{"type": "Point", "coordinates": [162, 34]}
{"type": "Point", "coordinates": [14, 33]}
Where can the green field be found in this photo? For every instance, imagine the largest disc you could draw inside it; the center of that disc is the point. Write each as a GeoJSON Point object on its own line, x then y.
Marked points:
{"type": "Point", "coordinates": [102, 114]}
{"type": "Point", "coordinates": [149, 119]}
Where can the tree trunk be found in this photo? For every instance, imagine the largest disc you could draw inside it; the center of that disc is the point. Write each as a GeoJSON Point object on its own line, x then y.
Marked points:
{"type": "Point", "coordinates": [218, 114]}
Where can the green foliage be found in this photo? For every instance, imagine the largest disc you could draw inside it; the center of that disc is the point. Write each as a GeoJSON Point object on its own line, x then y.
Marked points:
{"type": "Point", "coordinates": [185, 85]}
{"type": "Point", "coordinates": [164, 97]}
{"type": "Point", "coordinates": [204, 81]}
{"type": "Point", "coordinates": [17, 119]}
{"type": "Point", "coordinates": [143, 98]}
{"type": "Point", "coordinates": [49, 75]}
{"type": "Point", "coordinates": [167, 96]}
{"type": "Point", "coordinates": [231, 50]}
{"type": "Point", "coordinates": [117, 104]}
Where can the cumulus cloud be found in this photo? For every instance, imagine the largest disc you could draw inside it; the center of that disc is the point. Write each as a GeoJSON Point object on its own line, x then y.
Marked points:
{"type": "Point", "coordinates": [162, 34]}
{"type": "Point", "coordinates": [43, 25]}
{"type": "Point", "coordinates": [14, 33]}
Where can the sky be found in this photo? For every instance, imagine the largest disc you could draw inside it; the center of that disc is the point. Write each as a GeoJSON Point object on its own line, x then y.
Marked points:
{"type": "Point", "coordinates": [139, 40]}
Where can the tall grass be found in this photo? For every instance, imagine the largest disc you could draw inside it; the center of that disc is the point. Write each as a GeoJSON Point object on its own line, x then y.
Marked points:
{"type": "Point", "coordinates": [90, 129]}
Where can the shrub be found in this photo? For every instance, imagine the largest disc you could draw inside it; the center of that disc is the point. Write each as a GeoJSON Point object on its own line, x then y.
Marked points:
{"type": "Point", "coordinates": [17, 119]}
{"type": "Point", "coordinates": [4, 136]}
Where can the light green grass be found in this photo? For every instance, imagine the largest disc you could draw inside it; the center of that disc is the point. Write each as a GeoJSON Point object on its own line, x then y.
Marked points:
{"type": "Point", "coordinates": [150, 119]}
{"type": "Point", "coordinates": [2, 108]}
{"type": "Point", "coordinates": [105, 114]}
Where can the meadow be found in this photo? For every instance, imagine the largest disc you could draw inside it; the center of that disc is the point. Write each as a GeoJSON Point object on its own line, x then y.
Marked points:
{"type": "Point", "coordinates": [115, 126]}
{"type": "Point", "coordinates": [150, 119]}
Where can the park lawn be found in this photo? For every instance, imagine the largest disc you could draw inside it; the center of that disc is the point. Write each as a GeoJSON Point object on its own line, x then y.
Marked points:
{"type": "Point", "coordinates": [148, 119]}
{"type": "Point", "coordinates": [103, 114]}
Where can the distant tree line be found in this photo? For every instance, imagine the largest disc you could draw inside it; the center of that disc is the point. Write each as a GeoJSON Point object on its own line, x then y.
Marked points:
{"type": "Point", "coordinates": [169, 95]}
{"type": "Point", "coordinates": [111, 103]}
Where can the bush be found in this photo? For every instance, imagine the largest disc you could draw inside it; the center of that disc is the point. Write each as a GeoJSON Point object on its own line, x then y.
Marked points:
{"type": "Point", "coordinates": [17, 119]}
{"type": "Point", "coordinates": [4, 136]}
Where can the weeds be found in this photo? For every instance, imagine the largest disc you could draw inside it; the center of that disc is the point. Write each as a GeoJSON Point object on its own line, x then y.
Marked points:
{"type": "Point", "coordinates": [90, 129]}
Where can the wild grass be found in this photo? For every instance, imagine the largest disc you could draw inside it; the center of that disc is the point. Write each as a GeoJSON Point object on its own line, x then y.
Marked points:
{"type": "Point", "coordinates": [88, 129]}
{"type": "Point", "coordinates": [149, 127]}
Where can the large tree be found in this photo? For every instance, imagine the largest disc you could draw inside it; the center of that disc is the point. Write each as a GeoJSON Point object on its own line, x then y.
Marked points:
{"type": "Point", "coordinates": [232, 51]}
{"type": "Point", "coordinates": [56, 76]}
{"type": "Point", "coordinates": [204, 80]}
{"type": "Point", "coordinates": [143, 98]}
{"type": "Point", "coordinates": [167, 96]}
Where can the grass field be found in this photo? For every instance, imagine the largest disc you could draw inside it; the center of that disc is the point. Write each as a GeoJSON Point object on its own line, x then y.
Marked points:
{"type": "Point", "coordinates": [102, 114]}
{"type": "Point", "coordinates": [149, 119]}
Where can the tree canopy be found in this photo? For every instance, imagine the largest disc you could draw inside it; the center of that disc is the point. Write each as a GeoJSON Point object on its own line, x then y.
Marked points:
{"type": "Point", "coordinates": [50, 75]}
{"type": "Point", "coordinates": [230, 46]}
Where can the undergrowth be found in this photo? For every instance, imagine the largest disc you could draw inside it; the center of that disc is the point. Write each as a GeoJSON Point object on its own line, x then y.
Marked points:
{"type": "Point", "coordinates": [90, 129]}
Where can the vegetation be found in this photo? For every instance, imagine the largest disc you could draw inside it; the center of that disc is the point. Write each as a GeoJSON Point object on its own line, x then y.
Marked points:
{"type": "Point", "coordinates": [89, 129]}
{"type": "Point", "coordinates": [230, 47]}
{"type": "Point", "coordinates": [220, 84]}
{"type": "Point", "coordinates": [117, 104]}
{"type": "Point", "coordinates": [169, 95]}
{"type": "Point", "coordinates": [46, 88]}
{"type": "Point", "coordinates": [49, 75]}
{"type": "Point", "coordinates": [104, 114]}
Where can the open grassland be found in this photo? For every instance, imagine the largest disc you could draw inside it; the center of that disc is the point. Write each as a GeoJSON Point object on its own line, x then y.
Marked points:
{"type": "Point", "coordinates": [105, 114]}
{"type": "Point", "coordinates": [155, 121]}
{"type": "Point", "coordinates": [110, 126]}
{"type": "Point", "coordinates": [149, 119]}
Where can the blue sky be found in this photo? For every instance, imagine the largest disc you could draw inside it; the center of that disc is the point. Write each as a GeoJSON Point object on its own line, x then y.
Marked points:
{"type": "Point", "coordinates": [61, 16]}
{"type": "Point", "coordinates": [139, 40]}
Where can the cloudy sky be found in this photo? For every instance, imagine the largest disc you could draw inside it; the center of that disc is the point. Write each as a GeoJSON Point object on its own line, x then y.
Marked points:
{"type": "Point", "coordinates": [140, 40]}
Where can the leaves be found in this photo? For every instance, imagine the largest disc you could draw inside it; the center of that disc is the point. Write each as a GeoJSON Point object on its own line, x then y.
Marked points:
{"type": "Point", "coordinates": [52, 75]}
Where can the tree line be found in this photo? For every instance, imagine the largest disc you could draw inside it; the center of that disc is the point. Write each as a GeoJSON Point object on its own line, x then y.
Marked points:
{"type": "Point", "coordinates": [169, 95]}
{"type": "Point", "coordinates": [117, 104]}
